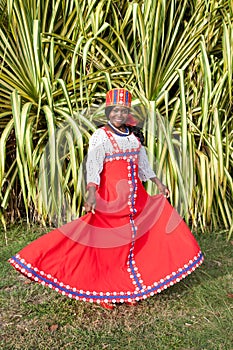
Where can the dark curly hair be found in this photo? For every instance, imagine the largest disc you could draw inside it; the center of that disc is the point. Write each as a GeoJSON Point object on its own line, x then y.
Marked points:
{"type": "Point", "coordinates": [137, 132]}
{"type": "Point", "coordinates": [133, 129]}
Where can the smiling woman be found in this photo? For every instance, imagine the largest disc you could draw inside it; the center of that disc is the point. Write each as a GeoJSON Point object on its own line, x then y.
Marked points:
{"type": "Point", "coordinates": [117, 110]}
{"type": "Point", "coordinates": [129, 245]}
{"type": "Point", "coordinates": [117, 119]}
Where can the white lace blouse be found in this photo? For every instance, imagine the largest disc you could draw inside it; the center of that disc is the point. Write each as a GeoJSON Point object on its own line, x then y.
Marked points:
{"type": "Point", "coordinates": [99, 145]}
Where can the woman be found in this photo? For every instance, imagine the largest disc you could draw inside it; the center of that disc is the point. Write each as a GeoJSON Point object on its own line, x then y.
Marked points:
{"type": "Point", "coordinates": [129, 245]}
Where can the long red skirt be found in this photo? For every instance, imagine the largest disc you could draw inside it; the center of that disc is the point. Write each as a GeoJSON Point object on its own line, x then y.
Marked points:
{"type": "Point", "coordinates": [133, 247]}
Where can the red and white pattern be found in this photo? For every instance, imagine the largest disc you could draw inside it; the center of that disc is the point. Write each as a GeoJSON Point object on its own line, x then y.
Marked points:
{"type": "Point", "coordinates": [114, 297]}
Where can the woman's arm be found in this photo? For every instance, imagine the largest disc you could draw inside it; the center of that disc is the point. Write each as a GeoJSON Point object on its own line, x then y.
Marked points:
{"type": "Point", "coordinates": [94, 166]}
{"type": "Point", "coordinates": [90, 202]}
{"type": "Point", "coordinates": [146, 173]}
{"type": "Point", "coordinates": [162, 188]}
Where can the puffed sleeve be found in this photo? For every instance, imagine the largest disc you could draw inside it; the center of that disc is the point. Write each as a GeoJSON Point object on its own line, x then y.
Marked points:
{"type": "Point", "coordinates": [95, 158]}
{"type": "Point", "coordinates": [144, 169]}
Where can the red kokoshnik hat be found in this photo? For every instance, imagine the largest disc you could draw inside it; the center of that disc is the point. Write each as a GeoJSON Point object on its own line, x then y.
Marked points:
{"type": "Point", "coordinates": [120, 97]}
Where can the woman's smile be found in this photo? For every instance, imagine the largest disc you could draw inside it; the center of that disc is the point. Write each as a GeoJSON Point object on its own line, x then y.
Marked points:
{"type": "Point", "coordinates": [118, 116]}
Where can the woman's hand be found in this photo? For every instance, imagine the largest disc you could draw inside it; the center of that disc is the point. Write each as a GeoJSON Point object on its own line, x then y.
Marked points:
{"type": "Point", "coordinates": [90, 204]}
{"type": "Point", "coordinates": [162, 188]}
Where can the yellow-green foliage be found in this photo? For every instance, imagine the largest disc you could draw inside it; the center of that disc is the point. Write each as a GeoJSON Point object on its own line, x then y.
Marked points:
{"type": "Point", "coordinates": [58, 59]}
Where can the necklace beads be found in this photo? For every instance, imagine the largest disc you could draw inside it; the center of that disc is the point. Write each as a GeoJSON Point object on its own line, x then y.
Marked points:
{"type": "Point", "coordinates": [117, 131]}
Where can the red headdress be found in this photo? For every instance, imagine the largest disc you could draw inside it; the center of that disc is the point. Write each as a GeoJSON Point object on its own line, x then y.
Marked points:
{"type": "Point", "coordinates": [120, 97]}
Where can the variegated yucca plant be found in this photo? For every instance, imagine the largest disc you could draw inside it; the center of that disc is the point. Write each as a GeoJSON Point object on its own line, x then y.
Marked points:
{"type": "Point", "coordinates": [58, 59]}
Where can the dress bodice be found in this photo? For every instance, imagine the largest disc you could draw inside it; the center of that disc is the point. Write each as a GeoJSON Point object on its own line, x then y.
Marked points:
{"type": "Point", "coordinates": [105, 145]}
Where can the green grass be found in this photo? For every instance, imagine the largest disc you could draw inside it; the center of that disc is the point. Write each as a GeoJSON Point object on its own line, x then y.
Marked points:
{"type": "Point", "coordinates": [195, 314]}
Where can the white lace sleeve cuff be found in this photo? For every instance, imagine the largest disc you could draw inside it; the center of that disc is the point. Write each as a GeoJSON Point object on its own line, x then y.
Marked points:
{"type": "Point", "coordinates": [95, 158]}
{"type": "Point", "coordinates": [145, 171]}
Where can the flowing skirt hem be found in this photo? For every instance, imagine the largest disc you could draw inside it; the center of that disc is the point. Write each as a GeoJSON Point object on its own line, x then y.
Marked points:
{"type": "Point", "coordinates": [136, 293]}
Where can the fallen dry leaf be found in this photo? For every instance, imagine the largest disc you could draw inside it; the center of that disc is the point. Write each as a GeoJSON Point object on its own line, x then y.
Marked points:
{"type": "Point", "coordinates": [27, 281]}
{"type": "Point", "coordinates": [230, 295]}
{"type": "Point", "coordinates": [53, 327]}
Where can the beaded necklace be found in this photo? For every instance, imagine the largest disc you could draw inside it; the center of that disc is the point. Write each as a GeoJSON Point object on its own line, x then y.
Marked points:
{"type": "Point", "coordinates": [117, 131]}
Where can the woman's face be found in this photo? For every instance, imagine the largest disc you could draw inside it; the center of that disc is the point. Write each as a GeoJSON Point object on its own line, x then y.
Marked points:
{"type": "Point", "coordinates": [118, 115]}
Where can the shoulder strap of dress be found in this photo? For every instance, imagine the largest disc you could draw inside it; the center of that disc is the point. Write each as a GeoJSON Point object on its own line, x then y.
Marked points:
{"type": "Point", "coordinates": [112, 139]}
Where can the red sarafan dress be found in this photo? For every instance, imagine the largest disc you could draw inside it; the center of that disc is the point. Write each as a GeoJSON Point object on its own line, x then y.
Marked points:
{"type": "Point", "coordinates": [133, 247]}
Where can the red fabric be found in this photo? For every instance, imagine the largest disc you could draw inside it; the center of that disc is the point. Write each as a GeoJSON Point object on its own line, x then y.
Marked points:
{"type": "Point", "coordinates": [134, 246]}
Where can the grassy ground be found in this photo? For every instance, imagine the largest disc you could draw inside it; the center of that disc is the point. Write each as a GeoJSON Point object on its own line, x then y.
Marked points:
{"type": "Point", "coordinates": [195, 314]}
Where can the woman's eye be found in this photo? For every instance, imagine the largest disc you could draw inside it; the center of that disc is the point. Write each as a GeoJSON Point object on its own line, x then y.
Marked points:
{"type": "Point", "coordinates": [124, 111]}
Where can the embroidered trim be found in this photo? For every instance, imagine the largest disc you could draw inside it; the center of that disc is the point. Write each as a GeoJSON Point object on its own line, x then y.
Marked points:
{"type": "Point", "coordinates": [91, 296]}
{"type": "Point", "coordinates": [112, 140]}
{"type": "Point", "coordinates": [131, 158]}
{"type": "Point", "coordinates": [122, 155]}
